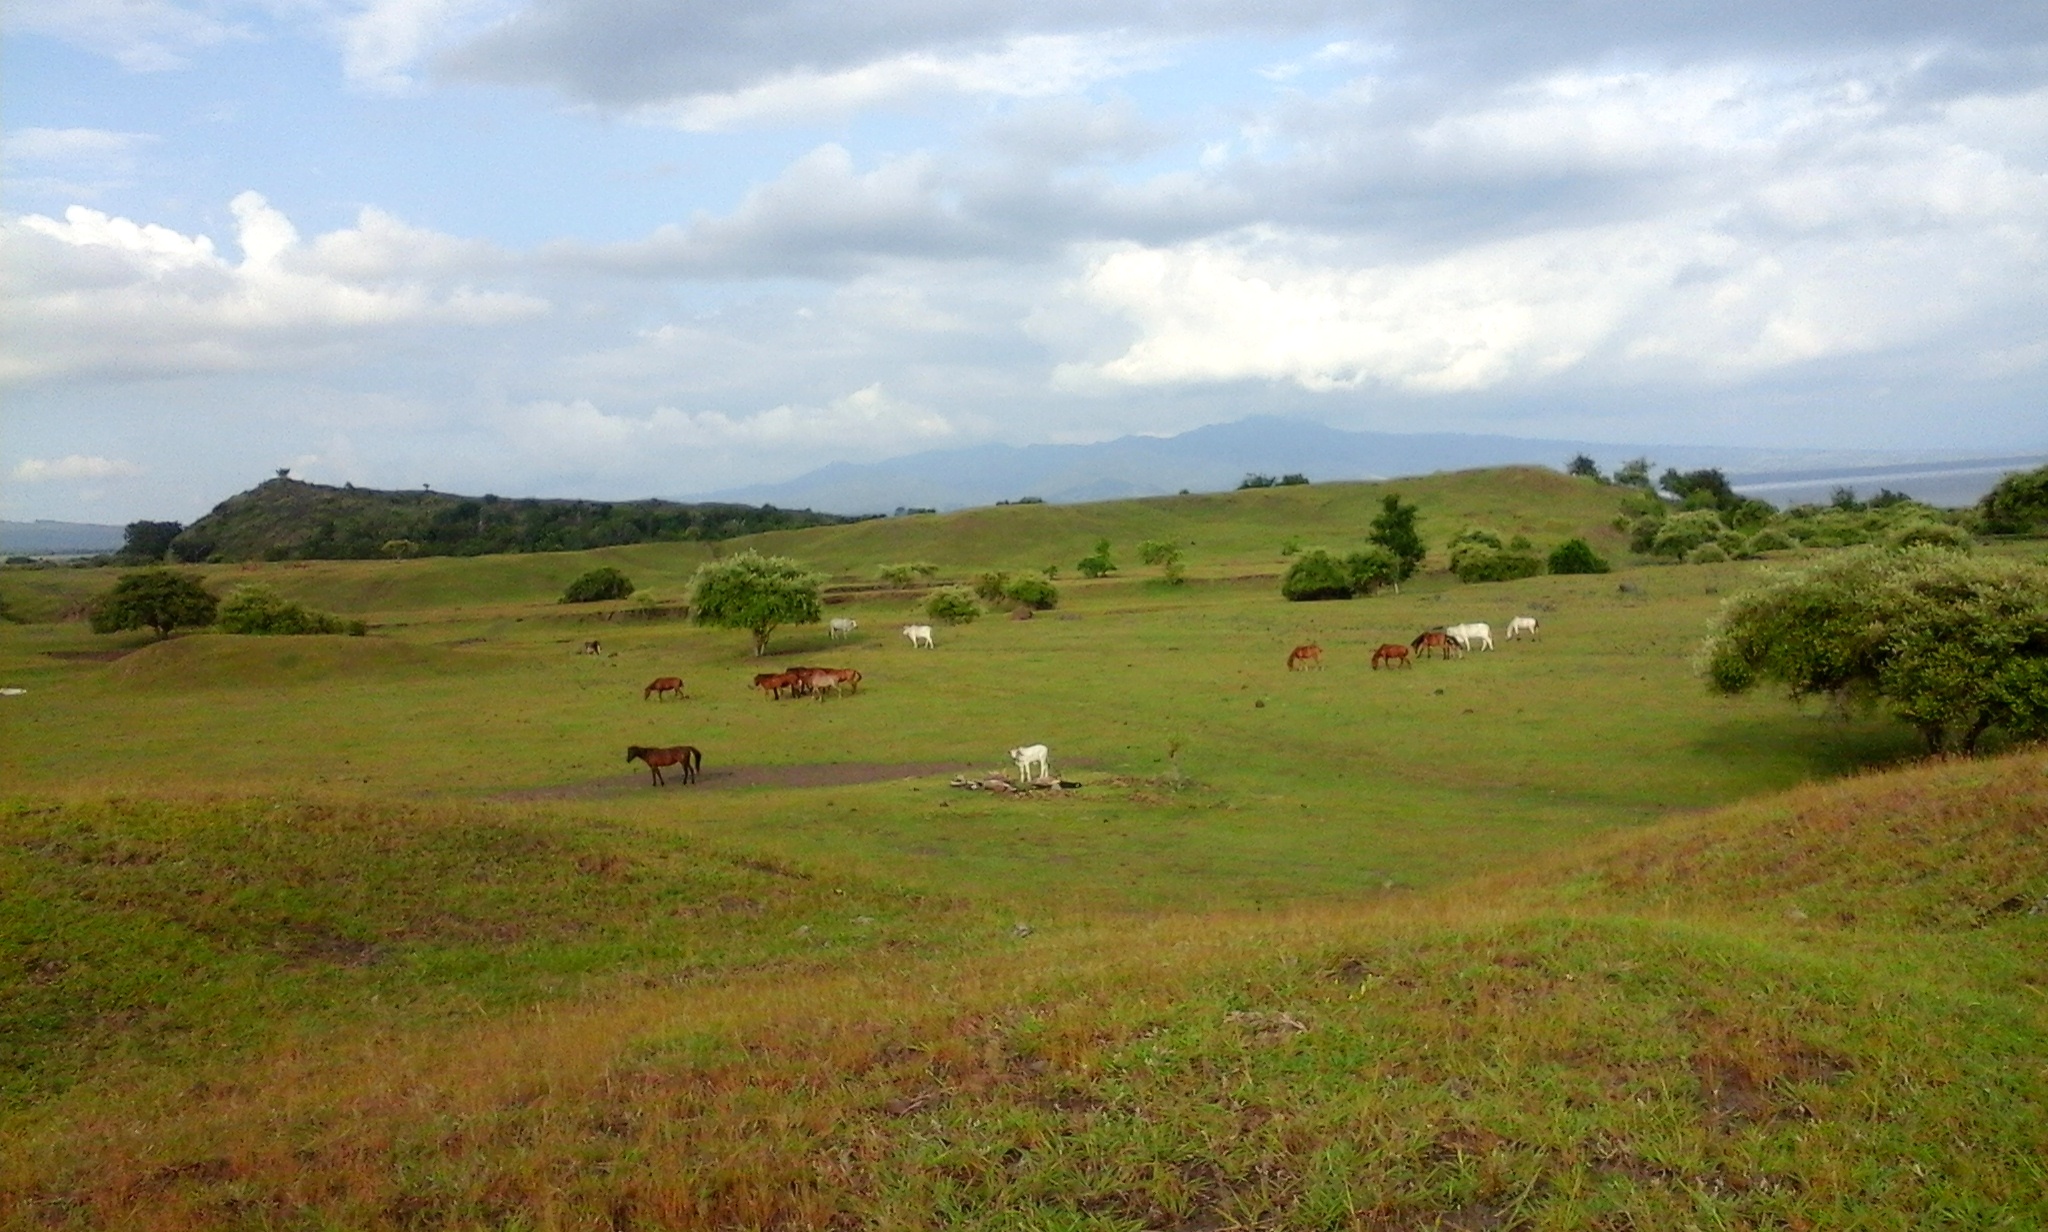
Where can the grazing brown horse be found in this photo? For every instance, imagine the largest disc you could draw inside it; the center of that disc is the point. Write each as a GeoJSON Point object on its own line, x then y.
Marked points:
{"type": "Point", "coordinates": [679, 755]}
{"type": "Point", "coordinates": [1309, 655]}
{"type": "Point", "coordinates": [1391, 654]}
{"type": "Point", "coordinates": [773, 683]}
{"type": "Point", "coordinates": [1432, 639]}
{"type": "Point", "coordinates": [660, 689]}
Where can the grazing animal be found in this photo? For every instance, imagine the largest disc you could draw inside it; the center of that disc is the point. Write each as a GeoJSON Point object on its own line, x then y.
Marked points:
{"type": "Point", "coordinates": [1307, 656]}
{"type": "Point", "coordinates": [589, 648]}
{"type": "Point", "coordinates": [919, 635]}
{"type": "Point", "coordinates": [1520, 625]}
{"type": "Point", "coordinates": [1391, 654]}
{"type": "Point", "coordinates": [1432, 639]}
{"type": "Point", "coordinates": [841, 627]}
{"type": "Point", "coordinates": [820, 680]}
{"type": "Point", "coordinates": [682, 755]}
{"type": "Point", "coordinates": [1027, 757]}
{"type": "Point", "coordinates": [773, 683]}
{"type": "Point", "coordinates": [1467, 635]}
{"type": "Point", "coordinates": [661, 688]}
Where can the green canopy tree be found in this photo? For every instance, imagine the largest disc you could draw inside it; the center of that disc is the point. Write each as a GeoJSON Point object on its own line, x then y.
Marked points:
{"type": "Point", "coordinates": [1952, 644]}
{"type": "Point", "coordinates": [145, 543]}
{"type": "Point", "coordinates": [757, 593]}
{"type": "Point", "coordinates": [1165, 554]}
{"type": "Point", "coordinates": [1394, 529]}
{"type": "Point", "coordinates": [157, 599]}
{"type": "Point", "coordinates": [2018, 504]}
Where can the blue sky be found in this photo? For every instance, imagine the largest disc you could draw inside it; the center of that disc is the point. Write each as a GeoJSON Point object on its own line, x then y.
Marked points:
{"type": "Point", "coordinates": [624, 248]}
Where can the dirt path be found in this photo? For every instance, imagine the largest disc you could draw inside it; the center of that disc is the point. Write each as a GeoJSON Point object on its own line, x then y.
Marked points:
{"type": "Point", "coordinates": [819, 774]}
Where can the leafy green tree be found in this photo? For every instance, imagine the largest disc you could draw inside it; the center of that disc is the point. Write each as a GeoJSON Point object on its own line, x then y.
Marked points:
{"type": "Point", "coordinates": [146, 543]}
{"type": "Point", "coordinates": [1634, 473]}
{"type": "Point", "coordinates": [757, 593]}
{"type": "Point", "coordinates": [992, 586]}
{"type": "Point", "coordinates": [1034, 590]}
{"type": "Point", "coordinates": [1576, 556]}
{"type": "Point", "coordinates": [599, 585]}
{"type": "Point", "coordinates": [1585, 468]}
{"type": "Point", "coordinates": [1164, 554]}
{"type": "Point", "coordinates": [259, 609]}
{"type": "Point", "coordinates": [154, 599]}
{"type": "Point", "coordinates": [2018, 505]}
{"type": "Point", "coordinates": [953, 604]}
{"type": "Point", "coordinates": [1098, 563]}
{"type": "Point", "coordinates": [1292, 479]}
{"type": "Point", "coordinates": [1394, 529]}
{"type": "Point", "coordinates": [1314, 575]}
{"type": "Point", "coordinates": [1257, 481]}
{"type": "Point", "coordinates": [1682, 532]}
{"type": "Point", "coordinates": [1370, 568]}
{"type": "Point", "coordinates": [1952, 644]}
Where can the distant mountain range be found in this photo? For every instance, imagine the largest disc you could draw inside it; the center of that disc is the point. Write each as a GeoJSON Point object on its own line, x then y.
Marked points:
{"type": "Point", "coordinates": [43, 538]}
{"type": "Point", "coordinates": [1220, 455]}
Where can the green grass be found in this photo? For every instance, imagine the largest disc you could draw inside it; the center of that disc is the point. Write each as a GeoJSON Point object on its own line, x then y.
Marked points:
{"type": "Point", "coordinates": [384, 932]}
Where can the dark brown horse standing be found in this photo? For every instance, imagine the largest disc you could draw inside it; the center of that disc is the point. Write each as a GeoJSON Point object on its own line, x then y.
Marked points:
{"type": "Point", "coordinates": [682, 755]}
{"type": "Point", "coordinates": [1391, 654]}
{"type": "Point", "coordinates": [1432, 639]}
{"type": "Point", "coordinates": [661, 688]}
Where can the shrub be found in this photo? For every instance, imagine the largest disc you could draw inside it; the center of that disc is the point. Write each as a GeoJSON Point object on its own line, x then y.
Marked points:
{"type": "Point", "coordinates": [1933, 535]}
{"type": "Point", "coordinates": [597, 586]}
{"type": "Point", "coordinates": [1098, 564]}
{"type": "Point", "coordinates": [1370, 568]}
{"type": "Point", "coordinates": [1576, 556]}
{"type": "Point", "coordinates": [955, 605]}
{"type": "Point", "coordinates": [992, 587]}
{"type": "Point", "coordinates": [1164, 554]}
{"type": "Point", "coordinates": [1478, 563]}
{"type": "Point", "coordinates": [907, 574]}
{"type": "Point", "coordinates": [1034, 591]}
{"type": "Point", "coordinates": [1769, 539]}
{"type": "Point", "coordinates": [1316, 574]}
{"type": "Point", "coordinates": [258, 609]}
{"type": "Point", "coordinates": [153, 599]}
{"type": "Point", "coordinates": [1682, 532]}
{"type": "Point", "coordinates": [2017, 505]}
{"type": "Point", "coordinates": [1706, 554]}
{"type": "Point", "coordinates": [754, 592]}
{"type": "Point", "coordinates": [1290, 546]}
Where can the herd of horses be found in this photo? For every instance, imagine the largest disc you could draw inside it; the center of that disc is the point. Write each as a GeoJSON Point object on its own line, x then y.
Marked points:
{"type": "Point", "coordinates": [1448, 641]}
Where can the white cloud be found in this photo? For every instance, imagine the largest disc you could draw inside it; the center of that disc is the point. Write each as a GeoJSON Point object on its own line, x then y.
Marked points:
{"type": "Point", "coordinates": [384, 41]}
{"type": "Point", "coordinates": [71, 145]}
{"type": "Point", "coordinates": [102, 295]}
{"type": "Point", "coordinates": [72, 466]}
{"type": "Point", "coordinates": [141, 35]}
{"type": "Point", "coordinates": [868, 422]}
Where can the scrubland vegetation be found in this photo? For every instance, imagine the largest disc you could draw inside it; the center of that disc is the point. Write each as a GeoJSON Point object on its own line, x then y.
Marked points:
{"type": "Point", "coordinates": [380, 932]}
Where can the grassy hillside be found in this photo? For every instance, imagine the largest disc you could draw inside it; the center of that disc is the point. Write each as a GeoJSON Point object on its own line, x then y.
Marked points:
{"type": "Point", "coordinates": [1569, 1050]}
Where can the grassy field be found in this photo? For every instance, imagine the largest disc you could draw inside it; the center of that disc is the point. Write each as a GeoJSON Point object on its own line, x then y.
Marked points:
{"type": "Point", "coordinates": [384, 932]}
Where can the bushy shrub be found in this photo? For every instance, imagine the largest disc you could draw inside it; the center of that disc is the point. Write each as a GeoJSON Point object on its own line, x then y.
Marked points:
{"type": "Point", "coordinates": [1164, 554]}
{"type": "Point", "coordinates": [1770, 539]}
{"type": "Point", "coordinates": [953, 604]}
{"type": "Point", "coordinates": [992, 586]}
{"type": "Point", "coordinates": [1706, 554]}
{"type": "Point", "coordinates": [1372, 567]}
{"type": "Point", "coordinates": [2018, 505]}
{"type": "Point", "coordinates": [1734, 543]}
{"type": "Point", "coordinates": [1035, 591]}
{"type": "Point", "coordinates": [1682, 532]}
{"type": "Point", "coordinates": [909, 573]}
{"type": "Point", "coordinates": [258, 609]}
{"type": "Point", "coordinates": [1476, 563]}
{"type": "Point", "coordinates": [1576, 556]}
{"type": "Point", "coordinates": [1098, 563]}
{"type": "Point", "coordinates": [1316, 574]}
{"type": "Point", "coordinates": [598, 585]}
{"type": "Point", "coordinates": [1933, 535]}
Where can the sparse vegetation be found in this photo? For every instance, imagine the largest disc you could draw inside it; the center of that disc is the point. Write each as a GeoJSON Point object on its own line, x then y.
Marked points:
{"type": "Point", "coordinates": [1166, 556]}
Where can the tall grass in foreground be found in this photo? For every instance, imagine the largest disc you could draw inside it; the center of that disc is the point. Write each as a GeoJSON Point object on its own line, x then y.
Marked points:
{"type": "Point", "coordinates": [1818, 1011]}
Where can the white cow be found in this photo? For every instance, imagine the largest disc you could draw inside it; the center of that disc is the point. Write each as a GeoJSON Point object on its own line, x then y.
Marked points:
{"type": "Point", "coordinates": [1027, 757]}
{"type": "Point", "coordinates": [1466, 635]}
{"type": "Point", "coordinates": [919, 635]}
{"type": "Point", "coordinates": [1520, 625]}
{"type": "Point", "coordinates": [841, 627]}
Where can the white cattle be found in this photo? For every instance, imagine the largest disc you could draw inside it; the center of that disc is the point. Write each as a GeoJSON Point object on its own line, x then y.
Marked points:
{"type": "Point", "coordinates": [1027, 757]}
{"type": "Point", "coordinates": [841, 627]}
{"type": "Point", "coordinates": [919, 635]}
{"type": "Point", "coordinates": [1520, 625]}
{"type": "Point", "coordinates": [1466, 636]}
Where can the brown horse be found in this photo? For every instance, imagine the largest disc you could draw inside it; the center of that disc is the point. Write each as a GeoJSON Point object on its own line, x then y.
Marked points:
{"type": "Point", "coordinates": [1309, 655]}
{"type": "Point", "coordinates": [773, 683]}
{"type": "Point", "coordinates": [1391, 654]}
{"type": "Point", "coordinates": [660, 689]}
{"type": "Point", "coordinates": [1432, 639]}
{"type": "Point", "coordinates": [679, 755]}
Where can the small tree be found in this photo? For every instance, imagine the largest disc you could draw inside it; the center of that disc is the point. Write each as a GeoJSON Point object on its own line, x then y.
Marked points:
{"type": "Point", "coordinates": [1098, 563]}
{"type": "Point", "coordinates": [400, 549]}
{"type": "Point", "coordinates": [1634, 473]}
{"type": "Point", "coordinates": [1257, 481]}
{"type": "Point", "coordinates": [599, 585]}
{"type": "Point", "coordinates": [1682, 532]}
{"type": "Point", "coordinates": [1576, 556]}
{"type": "Point", "coordinates": [1371, 568]}
{"type": "Point", "coordinates": [145, 543]}
{"type": "Point", "coordinates": [992, 586]}
{"type": "Point", "coordinates": [754, 592]}
{"type": "Point", "coordinates": [1315, 575]}
{"type": "Point", "coordinates": [2018, 505]}
{"type": "Point", "coordinates": [953, 604]}
{"type": "Point", "coordinates": [1164, 554]}
{"type": "Point", "coordinates": [1952, 644]}
{"type": "Point", "coordinates": [1394, 530]}
{"type": "Point", "coordinates": [1034, 590]}
{"type": "Point", "coordinates": [1293, 479]}
{"type": "Point", "coordinates": [154, 599]}
{"type": "Point", "coordinates": [1584, 467]}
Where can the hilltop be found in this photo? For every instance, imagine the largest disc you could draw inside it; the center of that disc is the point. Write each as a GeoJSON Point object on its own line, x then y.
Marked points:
{"type": "Point", "coordinates": [289, 519]}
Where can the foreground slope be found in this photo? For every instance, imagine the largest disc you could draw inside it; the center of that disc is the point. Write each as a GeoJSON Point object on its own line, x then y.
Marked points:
{"type": "Point", "coordinates": [1821, 1010]}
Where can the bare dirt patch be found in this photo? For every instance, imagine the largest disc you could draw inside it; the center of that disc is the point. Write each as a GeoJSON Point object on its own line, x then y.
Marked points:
{"type": "Point", "coordinates": [812, 774]}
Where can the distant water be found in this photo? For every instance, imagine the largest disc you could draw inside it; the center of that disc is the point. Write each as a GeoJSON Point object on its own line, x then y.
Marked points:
{"type": "Point", "coordinates": [1946, 484]}
{"type": "Point", "coordinates": [57, 538]}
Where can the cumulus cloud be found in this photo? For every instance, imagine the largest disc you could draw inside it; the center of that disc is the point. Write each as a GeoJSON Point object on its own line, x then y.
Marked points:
{"type": "Point", "coordinates": [102, 295]}
{"type": "Point", "coordinates": [72, 466]}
